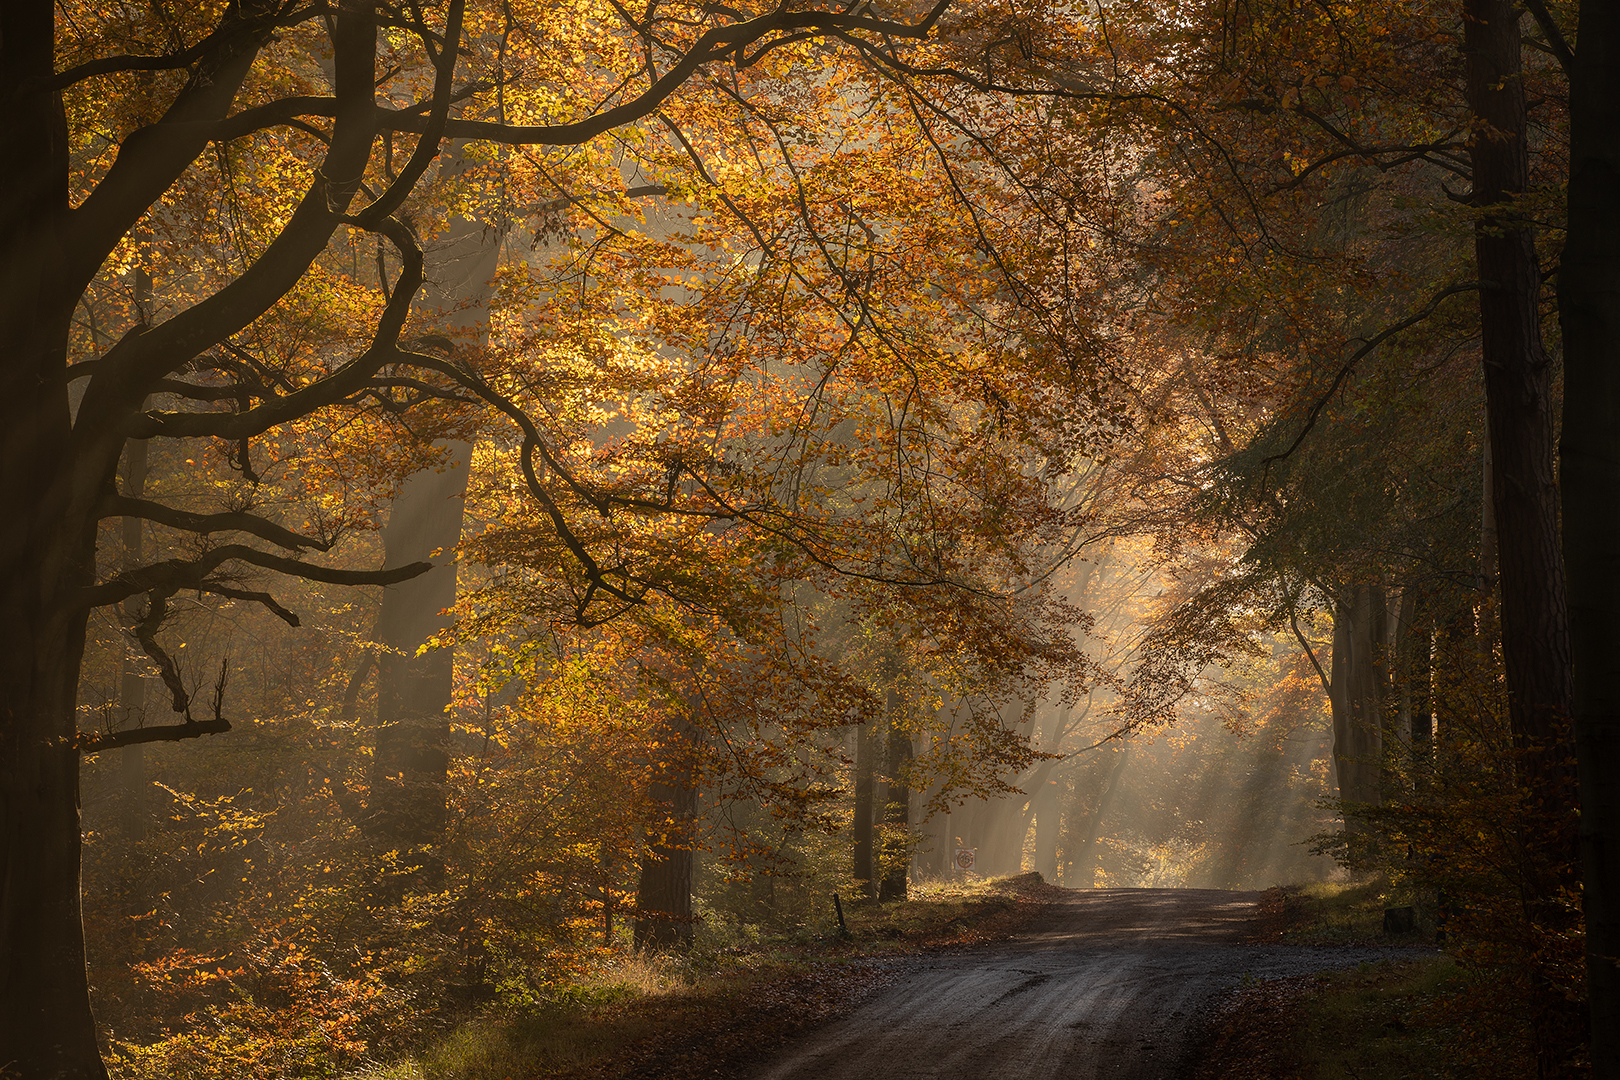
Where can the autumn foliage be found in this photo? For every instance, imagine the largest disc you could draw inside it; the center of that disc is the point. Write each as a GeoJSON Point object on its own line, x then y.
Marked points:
{"type": "Point", "coordinates": [1076, 432]}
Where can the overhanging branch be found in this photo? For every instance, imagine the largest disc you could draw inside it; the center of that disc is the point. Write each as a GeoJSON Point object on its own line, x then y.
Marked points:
{"type": "Point", "coordinates": [176, 574]}
{"type": "Point", "coordinates": [1356, 357]}
{"type": "Point", "coordinates": [206, 524]}
{"type": "Point", "coordinates": [86, 743]}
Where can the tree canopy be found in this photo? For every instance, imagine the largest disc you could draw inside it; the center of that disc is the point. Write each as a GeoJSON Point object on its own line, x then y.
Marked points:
{"type": "Point", "coordinates": [825, 391]}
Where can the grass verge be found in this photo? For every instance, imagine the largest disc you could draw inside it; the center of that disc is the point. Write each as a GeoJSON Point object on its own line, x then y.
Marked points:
{"type": "Point", "coordinates": [1325, 913]}
{"type": "Point", "coordinates": [1423, 1016]}
{"type": "Point", "coordinates": [685, 1017]}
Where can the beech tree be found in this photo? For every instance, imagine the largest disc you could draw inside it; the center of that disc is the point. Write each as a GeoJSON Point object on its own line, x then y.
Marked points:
{"type": "Point", "coordinates": [1587, 308]}
{"type": "Point", "coordinates": [271, 166]}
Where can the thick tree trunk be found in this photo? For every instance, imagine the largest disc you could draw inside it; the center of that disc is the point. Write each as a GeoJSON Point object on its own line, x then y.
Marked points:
{"type": "Point", "coordinates": [1589, 311]}
{"type": "Point", "coordinates": [47, 553]}
{"type": "Point", "coordinates": [1518, 393]}
{"type": "Point", "coordinates": [46, 1029]}
{"type": "Point", "coordinates": [1518, 388]}
{"type": "Point", "coordinates": [664, 892]}
{"type": "Point", "coordinates": [1047, 812]}
{"type": "Point", "coordinates": [409, 771]}
{"type": "Point", "coordinates": [1082, 871]}
{"type": "Point", "coordinates": [413, 692]}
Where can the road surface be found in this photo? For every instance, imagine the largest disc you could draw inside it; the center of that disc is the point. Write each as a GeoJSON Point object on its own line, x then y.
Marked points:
{"type": "Point", "coordinates": [1108, 983]}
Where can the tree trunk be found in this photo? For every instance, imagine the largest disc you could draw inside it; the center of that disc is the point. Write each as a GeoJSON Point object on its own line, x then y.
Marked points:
{"type": "Point", "coordinates": [1589, 311]}
{"type": "Point", "coordinates": [896, 808]}
{"type": "Point", "coordinates": [1356, 682]}
{"type": "Point", "coordinates": [1518, 393]}
{"type": "Point", "coordinates": [409, 770]}
{"type": "Point", "coordinates": [46, 1028]}
{"type": "Point", "coordinates": [1047, 811]}
{"type": "Point", "coordinates": [413, 692]}
{"type": "Point", "coordinates": [1084, 865]}
{"type": "Point", "coordinates": [864, 869]}
{"type": "Point", "coordinates": [664, 892]}
{"type": "Point", "coordinates": [47, 550]}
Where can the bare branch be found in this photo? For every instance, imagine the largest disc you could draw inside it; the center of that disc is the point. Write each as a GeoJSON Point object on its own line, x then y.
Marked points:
{"type": "Point", "coordinates": [115, 505]}
{"type": "Point", "coordinates": [86, 743]}
{"type": "Point", "coordinates": [176, 574]}
{"type": "Point", "coordinates": [264, 598]}
{"type": "Point", "coordinates": [146, 633]}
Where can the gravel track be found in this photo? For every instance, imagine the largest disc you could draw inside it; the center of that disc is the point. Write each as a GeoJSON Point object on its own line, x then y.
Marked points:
{"type": "Point", "coordinates": [1114, 983]}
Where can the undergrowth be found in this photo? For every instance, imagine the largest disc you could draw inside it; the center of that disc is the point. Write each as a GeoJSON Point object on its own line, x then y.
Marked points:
{"type": "Point", "coordinates": [1430, 1015]}
{"type": "Point", "coordinates": [727, 1001]}
{"type": "Point", "coordinates": [1343, 913]}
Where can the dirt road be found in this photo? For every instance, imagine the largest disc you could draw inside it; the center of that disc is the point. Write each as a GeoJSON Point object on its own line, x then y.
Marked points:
{"type": "Point", "coordinates": [1108, 983]}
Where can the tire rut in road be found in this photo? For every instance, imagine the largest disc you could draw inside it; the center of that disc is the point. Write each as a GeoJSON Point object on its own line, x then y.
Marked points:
{"type": "Point", "coordinates": [1114, 983]}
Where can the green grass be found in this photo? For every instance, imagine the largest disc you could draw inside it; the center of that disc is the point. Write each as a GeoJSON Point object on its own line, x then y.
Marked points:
{"type": "Point", "coordinates": [1326, 913]}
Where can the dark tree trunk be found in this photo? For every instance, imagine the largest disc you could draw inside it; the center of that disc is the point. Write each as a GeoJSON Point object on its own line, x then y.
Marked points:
{"type": "Point", "coordinates": [47, 549]}
{"type": "Point", "coordinates": [664, 892]}
{"type": "Point", "coordinates": [896, 808]}
{"type": "Point", "coordinates": [1518, 389]}
{"type": "Point", "coordinates": [1589, 311]}
{"type": "Point", "coordinates": [1356, 683]}
{"type": "Point", "coordinates": [1518, 394]}
{"type": "Point", "coordinates": [865, 871]}
{"type": "Point", "coordinates": [59, 465]}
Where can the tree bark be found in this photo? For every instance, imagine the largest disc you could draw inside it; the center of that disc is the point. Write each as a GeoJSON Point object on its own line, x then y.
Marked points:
{"type": "Point", "coordinates": [409, 770]}
{"type": "Point", "coordinates": [1519, 400]}
{"type": "Point", "coordinates": [1518, 394]}
{"type": "Point", "coordinates": [1047, 810]}
{"type": "Point", "coordinates": [864, 871]}
{"type": "Point", "coordinates": [47, 550]}
{"type": "Point", "coordinates": [1589, 312]}
{"type": "Point", "coordinates": [1356, 685]}
{"type": "Point", "coordinates": [1083, 867]}
{"type": "Point", "coordinates": [664, 891]}
{"type": "Point", "coordinates": [57, 465]}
